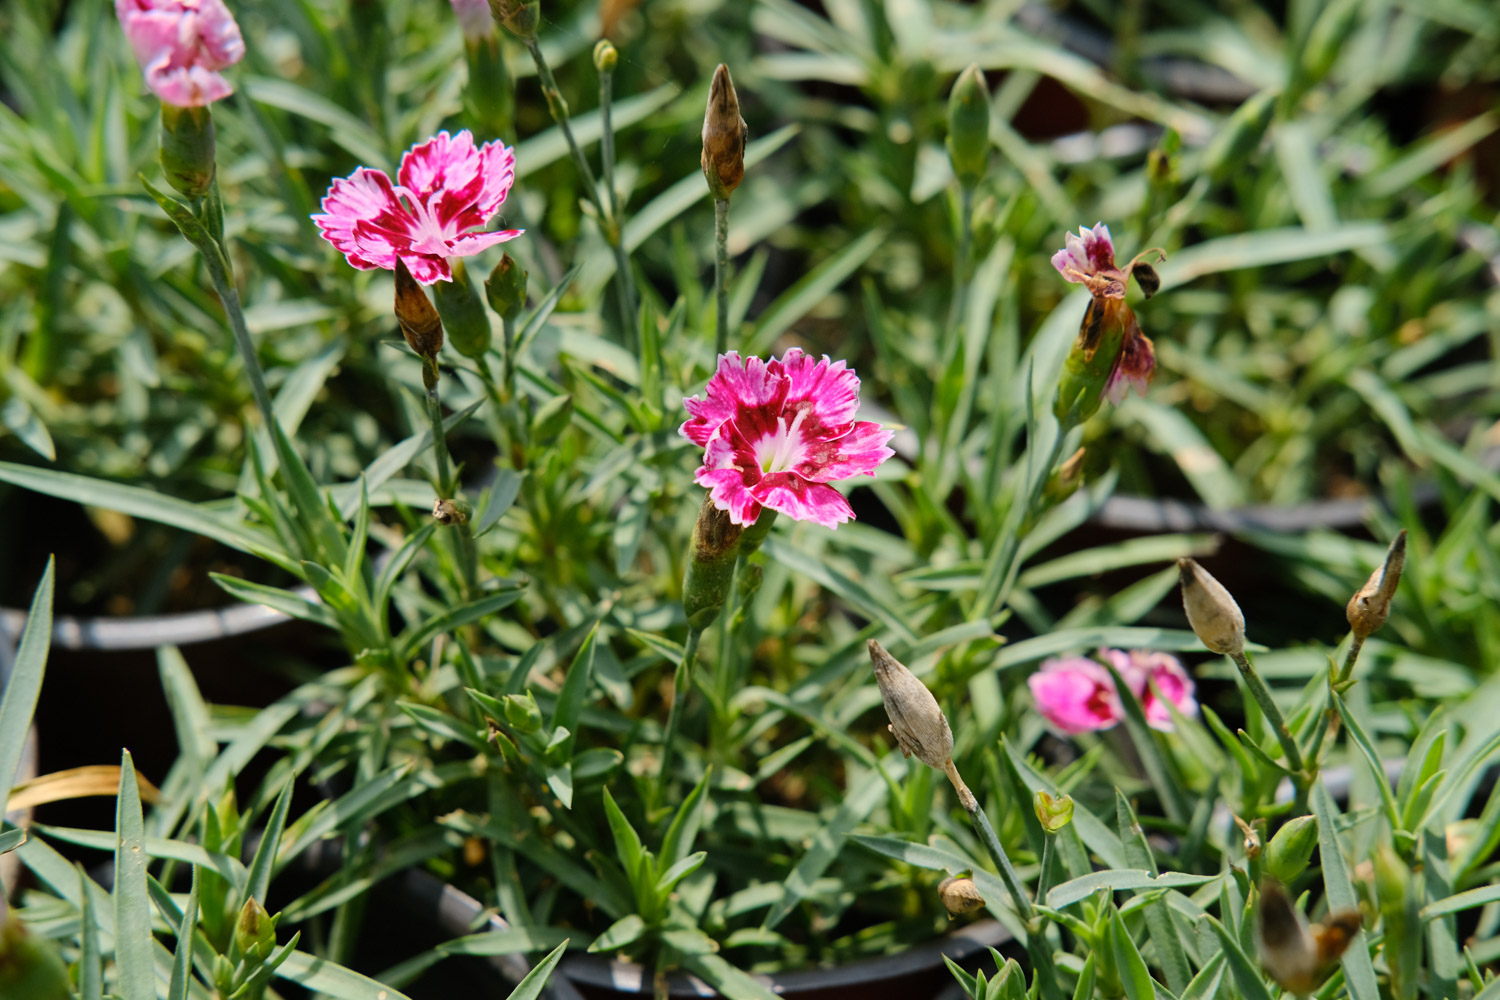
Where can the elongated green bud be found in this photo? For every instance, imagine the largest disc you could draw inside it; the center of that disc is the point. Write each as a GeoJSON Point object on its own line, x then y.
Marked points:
{"type": "Point", "coordinates": [490, 96]}
{"type": "Point", "coordinates": [187, 149]}
{"type": "Point", "coordinates": [521, 711]}
{"type": "Point", "coordinates": [29, 967]}
{"type": "Point", "coordinates": [1233, 144]}
{"type": "Point", "coordinates": [467, 323]}
{"type": "Point", "coordinates": [1288, 853]}
{"type": "Point", "coordinates": [521, 19]}
{"type": "Point", "coordinates": [506, 288]}
{"type": "Point", "coordinates": [969, 126]}
{"type": "Point", "coordinates": [710, 571]}
{"type": "Point", "coordinates": [255, 932]}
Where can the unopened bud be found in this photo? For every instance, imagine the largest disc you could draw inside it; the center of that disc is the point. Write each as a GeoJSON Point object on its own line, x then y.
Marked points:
{"type": "Point", "coordinates": [1291, 849]}
{"type": "Point", "coordinates": [724, 135]}
{"type": "Point", "coordinates": [506, 288]}
{"type": "Point", "coordinates": [29, 966]}
{"type": "Point", "coordinates": [255, 932]}
{"type": "Point", "coordinates": [1053, 813]}
{"type": "Point", "coordinates": [521, 19]}
{"type": "Point", "coordinates": [420, 323]}
{"type": "Point", "coordinates": [187, 149]}
{"type": "Point", "coordinates": [1064, 482]}
{"type": "Point", "coordinates": [522, 713]}
{"type": "Point", "coordinates": [969, 126]}
{"type": "Point", "coordinates": [710, 571]}
{"type": "Point", "coordinates": [959, 896]}
{"type": "Point", "coordinates": [917, 723]}
{"type": "Point", "coordinates": [605, 56]}
{"type": "Point", "coordinates": [446, 512]}
{"type": "Point", "coordinates": [1211, 612]}
{"type": "Point", "coordinates": [1093, 359]}
{"type": "Point", "coordinates": [464, 318]}
{"type": "Point", "coordinates": [1369, 608]}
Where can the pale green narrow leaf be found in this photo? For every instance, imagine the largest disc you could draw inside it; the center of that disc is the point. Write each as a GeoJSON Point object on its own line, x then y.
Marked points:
{"type": "Point", "coordinates": [318, 975]}
{"type": "Point", "coordinates": [27, 426]}
{"type": "Point", "coordinates": [625, 931]}
{"type": "Point", "coordinates": [25, 684]}
{"type": "Point", "coordinates": [137, 978]}
{"type": "Point", "coordinates": [1134, 975]}
{"type": "Point", "coordinates": [1078, 889]}
{"type": "Point", "coordinates": [454, 618]}
{"type": "Point", "coordinates": [182, 958]}
{"type": "Point", "coordinates": [184, 700]}
{"type": "Point", "coordinates": [1359, 972]}
{"type": "Point", "coordinates": [90, 960]}
{"type": "Point", "coordinates": [859, 801]}
{"type": "Point", "coordinates": [531, 987]}
{"type": "Point", "coordinates": [732, 982]}
{"type": "Point", "coordinates": [1246, 976]}
{"type": "Point", "coordinates": [497, 500]}
{"type": "Point", "coordinates": [811, 289]}
{"type": "Point", "coordinates": [575, 688]}
{"type": "Point", "coordinates": [258, 881]}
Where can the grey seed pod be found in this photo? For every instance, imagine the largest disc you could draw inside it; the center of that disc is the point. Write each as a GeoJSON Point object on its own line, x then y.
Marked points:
{"type": "Point", "coordinates": [1369, 608]}
{"type": "Point", "coordinates": [1212, 613]}
{"type": "Point", "coordinates": [724, 135]}
{"type": "Point", "coordinates": [960, 896]}
{"type": "Point", "coordinates": [917, 723]}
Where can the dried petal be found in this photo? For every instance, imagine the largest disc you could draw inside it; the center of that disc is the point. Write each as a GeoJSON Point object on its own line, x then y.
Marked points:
{"type": "Point", "coordinates": [917, 723]}
{"type": "Point", "coordinates": [1371, 605]}
{"type": "Point", "coordinates": [1211, 612]}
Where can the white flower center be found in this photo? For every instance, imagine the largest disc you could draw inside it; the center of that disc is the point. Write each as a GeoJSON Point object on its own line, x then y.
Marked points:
{"type": "Point", "coordinates": [782, 450]}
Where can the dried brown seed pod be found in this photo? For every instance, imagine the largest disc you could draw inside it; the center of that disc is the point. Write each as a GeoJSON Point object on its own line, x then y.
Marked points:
{"type": "Point", "coordinates": [447, 512]}
{"type": "Point", "coordinates": [917, 723]}
{"type": "Point", "coordinates": [724, 135]}
{"type": "Point", "coordinates": [960, 896]}
{"type": "Point", "coordinates": [1211, 612]}
{"type": "Point", "coordinates": [420, 323]}
{"type": "Point", "coordinates": [1371, 605]}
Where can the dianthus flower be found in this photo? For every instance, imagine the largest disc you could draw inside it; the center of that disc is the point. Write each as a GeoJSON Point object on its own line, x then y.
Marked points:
{"type": "Point", "coordinates": [445, 188]}
{"type": "Point", "coordinates": [1088, 258]}
{"type": "Point", "coordinates": [775, 433]}
{"type": "Point", "coordinates": [181, 46]}
{"type": "Point", "coordinates": [1076, 695]}
{"type": "Point", "coordinates": [1148, 673]}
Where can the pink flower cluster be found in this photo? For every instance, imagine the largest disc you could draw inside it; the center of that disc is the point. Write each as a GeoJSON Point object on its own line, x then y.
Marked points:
{"type": "Point", "coordinates": [1078, 695]}
{"type": "Point", "coordinates": [1089, 259]}
{"type": "Point", "coordinates": [445, 189]}
{"type": "Point", "coordinates": [181, 46]}
{"type": "Point", "coordinates": [775, 433]}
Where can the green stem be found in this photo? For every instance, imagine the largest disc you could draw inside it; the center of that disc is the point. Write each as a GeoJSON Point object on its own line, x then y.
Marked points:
{"type": "Point", "coordinates": [958, 305]}
{"type": "Point", "coordinates": [447, 487]}
{"type": "Point", "coordinates": [609, 221]}
{"type": "Point", "coordinates": [1262, 696]}
{"type": "Point", "coordinates": [508, 360]}
{"type": "Point", "coordinates": [1000, 571]}
{"type": "Point", "coordinates": [219, 273]}
{"type": "Point", "coordinates": [681, 681]}
{"type": "Point", "coordinates": [721, 275]}
{"type": "Point", "coordinates": [1325, 720]}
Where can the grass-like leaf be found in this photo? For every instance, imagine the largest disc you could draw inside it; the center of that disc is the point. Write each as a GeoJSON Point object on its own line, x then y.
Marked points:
{"type": "Point", "coordinates": [25, 683]}
{"type": "Point", "coordinates": [137, 978]}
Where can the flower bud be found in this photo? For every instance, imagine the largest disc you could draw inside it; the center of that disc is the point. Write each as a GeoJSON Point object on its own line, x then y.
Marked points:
{"type": "Point", "coordinates": [917, 723]}
{"type": "Point", "coordinates": [1232, 145]}
{"type": "Point", "coordinates": [506, 288]}
{"type": "Point", "coordinates": [605, 56]}
{"type": "Point", "coordinates": [446, 512]}
{"type": "Point", "coordinates": [1093, 359]}
{"type": "Point", "coordinates": [464, 318]}
{"type": "Point", "coordinates": [959, 896]}
{"type": "Point", "coordinates": [969, 126]}
{"type": "Point", "coordinates": [1053, 813]}
{"type": "Point", "coordinates": [521, 19]}
{"type": "Point", "coordinates": [724, 135]}
{"type": "Point", "coordinates": [255, 932]}
{"type": "Point", "coordinates": [1371, 605]}
{"type": "Point", "coordinates": [522, 713]}
{"type": "Point", "coordinates": [1291, 848]}
{"type": "Point", "coordinates": [29, 966]}
{"type": "Point", "coordinates": [710, 571]}
{"type": "Point", "coordinates": [187, 149]}
{"type": "Point", "coordinates": [420, 323]}
{"type": "Point", "coordinates": [1211, 612]}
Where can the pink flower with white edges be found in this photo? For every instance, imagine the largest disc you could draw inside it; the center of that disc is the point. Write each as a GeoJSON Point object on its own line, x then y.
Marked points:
{"type": "Point", "coordinates": [1076, 695]}
{"type": "Point", "coordinates": [1148, 672]}
{"type": "Point", "coordinates": [775, 433]}
{"type": "Point", "coordinates": [444, 189]}
{"type": "Point", "coordinates": [181, 46]}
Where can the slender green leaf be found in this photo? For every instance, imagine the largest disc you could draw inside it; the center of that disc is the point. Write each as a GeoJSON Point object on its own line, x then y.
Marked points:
{"type": "Point", "coordinates": [623, 932]}
{"type": "Point", "coordinates": [137, 978]}
{"type": "Point", "coordinates": [1359, 972]}
{"type": "Point", "coordinates": [456, 618]}
{"type": "Point", "coordinates": [182, 958]}
{"type": "Point", "coordinates": [1246, 977]}
{"type": "Point", "coordinates": [1134, 975]}
{"type": "Point", "coordinates": [531, 987]}
{"type": "Point", "coordinates": [1078, 889]}
{"type": "Point", "coordinates": [25, 683]}
{"type": "Point", "coordinates": [258, 881]}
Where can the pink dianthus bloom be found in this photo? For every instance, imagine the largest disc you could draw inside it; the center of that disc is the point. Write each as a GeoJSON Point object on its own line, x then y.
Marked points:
{"type": "Point", "coordinates": [1148, 673]}
{"type": "Point", "coordinates": [1090, 254]}
{"type": "Point", "coordinates": [181, 46]}
{"type": "Point", "coordinates": [1076, 695]}
{"type": "Point", "coordinates": [444, 189]}
{"type": "Point", "coordinates": [474, 18]}
{"type": "Point", "coordinates": [775, 433]}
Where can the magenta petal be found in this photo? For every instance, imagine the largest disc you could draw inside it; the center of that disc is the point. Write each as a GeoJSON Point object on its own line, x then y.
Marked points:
{"type": "Point", "coordinates": [857, 453]}
{"type": "Point", "coordinates": [830, 387]}
{"type": "Point", "coordinates": [181, 45]}
{"type": "Point", "coordinates": [1076, 695]}
{"type": "Point", "coordinates": [426, 268]}
{"type": "Point", "coordinates": [801, 500]}
{"type": "Point", "coordinates": [424, 167]}
{"type": "Point", "coordinates": [729, 493]}
{"type": "Point", "coordinates": [465, 246]}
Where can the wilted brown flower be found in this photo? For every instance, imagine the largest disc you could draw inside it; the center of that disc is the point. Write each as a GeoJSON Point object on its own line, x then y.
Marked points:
{"type": "Point", "coordinates": [1369, 608]}
{"type": "Point", "coordinates": [960, 896]}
